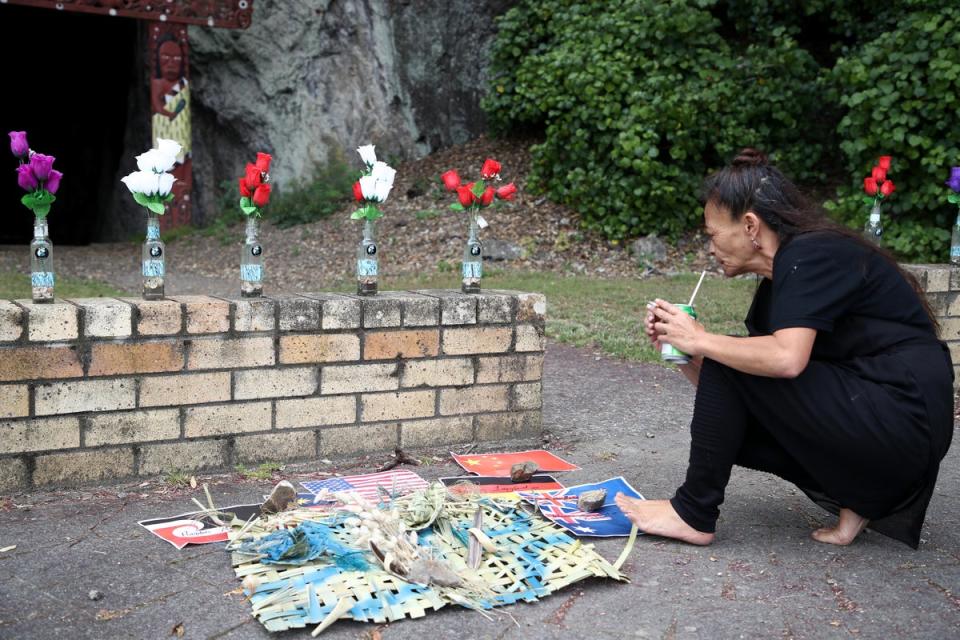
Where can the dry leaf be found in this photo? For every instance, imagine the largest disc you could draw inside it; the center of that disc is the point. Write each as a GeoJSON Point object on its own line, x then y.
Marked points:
{"type": "Point", "coordinates": [177, 630]}
{"type": "Point", "coordinates": [107, 614]}
{"type": "Point", "coordinates": [193, 482]}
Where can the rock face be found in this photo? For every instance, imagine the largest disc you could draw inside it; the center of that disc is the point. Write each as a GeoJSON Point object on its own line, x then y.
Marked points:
{"type": "Point", "coordinates": [316, 77]}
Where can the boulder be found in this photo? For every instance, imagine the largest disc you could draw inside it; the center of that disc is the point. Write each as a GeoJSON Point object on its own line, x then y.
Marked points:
{"type": "Point", "coordinates": [649, 249]}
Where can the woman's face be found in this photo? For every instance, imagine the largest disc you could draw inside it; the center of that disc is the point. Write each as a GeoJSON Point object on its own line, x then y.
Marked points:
{"type": "Point", "coordinates": [730, 242]}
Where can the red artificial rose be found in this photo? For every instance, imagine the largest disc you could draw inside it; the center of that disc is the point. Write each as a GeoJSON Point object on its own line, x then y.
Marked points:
{"type": "Point", "coordinates": [263, 162]}
{"type": "Point", "coordinates": [879, 174]}
{"type": "Point", "coordinates": [451, 180]}
{"type": "Point", "coordinates": [261, 196]}
{"type": "Point", "coordinates": [465, 195]}
{"type": "Point", "coordinates": [243, 188]}
{"type": "Point", "coordinates": [870, 186]}
{"type": "Point", "coordinates": [884, 162]}
{"type": "Point", "coordinates": [487, 196]}
{"type": "Point", "coordinates": [253, 177]}
{"type": "Point", "coordinates": [507, 191]}
{"type": "Point", "coordinates": [357, 192]}
{"type": "Point", "coordinates": [491, 169]}
{"type": "Point", "coordinates": [887, 188]}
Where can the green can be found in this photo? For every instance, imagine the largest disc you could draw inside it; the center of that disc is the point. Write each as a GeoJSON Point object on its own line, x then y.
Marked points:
{"type": "Point", "coordinates": [670, 353]}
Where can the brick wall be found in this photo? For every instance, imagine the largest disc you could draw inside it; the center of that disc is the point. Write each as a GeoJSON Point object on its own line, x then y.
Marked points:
{"type": "Point", "coordinates": [942, 284]}
{"type": "Point", "coordinates": [100, 388]}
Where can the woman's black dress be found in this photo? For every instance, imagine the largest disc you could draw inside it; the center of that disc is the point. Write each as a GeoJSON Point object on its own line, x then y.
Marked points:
{"type": "Point", "coordinates": [866, 424]}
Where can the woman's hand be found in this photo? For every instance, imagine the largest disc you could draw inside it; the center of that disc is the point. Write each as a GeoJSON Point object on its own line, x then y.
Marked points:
{"type": "Point", "coordinates": [672, 326]}
{"type": "Point", "coordinates": [650, 327]}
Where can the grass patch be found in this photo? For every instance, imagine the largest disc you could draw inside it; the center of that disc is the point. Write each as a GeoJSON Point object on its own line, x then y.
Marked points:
{"type": "Point", "coordinates": [263, 471]}
{"type": "Point", "coordinates": [14, 286]}
{"type": "Point", "coordinates": [608, 314]}
{"type": "Point", "coordinates": [177, 479]}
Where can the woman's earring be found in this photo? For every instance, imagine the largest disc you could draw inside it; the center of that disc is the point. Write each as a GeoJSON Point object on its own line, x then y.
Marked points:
{"type": "Point", "coordinates": [756, 245]}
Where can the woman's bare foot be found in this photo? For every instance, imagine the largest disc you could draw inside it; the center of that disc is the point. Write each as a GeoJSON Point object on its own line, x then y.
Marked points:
{"type": "Point", "coordinates": [657, 517]}
{"type": "Point", "coordinates": [848, 527]}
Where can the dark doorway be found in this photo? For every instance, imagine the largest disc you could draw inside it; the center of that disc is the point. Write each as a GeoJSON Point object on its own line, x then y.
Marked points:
{"type": "Point", "coordinates": [67, 79]}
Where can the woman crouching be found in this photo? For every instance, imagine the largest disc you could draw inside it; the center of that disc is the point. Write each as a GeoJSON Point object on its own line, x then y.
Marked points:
{"type": "Point", "coordinates": [841, 388]}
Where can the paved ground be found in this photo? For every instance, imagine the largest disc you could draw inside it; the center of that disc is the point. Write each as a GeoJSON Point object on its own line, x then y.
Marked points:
{"type": "Point", "coordinates": [762, 578]}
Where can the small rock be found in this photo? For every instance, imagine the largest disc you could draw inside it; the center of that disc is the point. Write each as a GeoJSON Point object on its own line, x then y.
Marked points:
{"type": "Point", "coordinates": [591, 500]}
{"type": "Point", "coordinates": [649, 249]}
{"type": "Point", "coordinates": [95, 595]}
{"type": "Point", "coordinates": [523, 471]}
{"type": "Point", "coordinates": [494, 249]}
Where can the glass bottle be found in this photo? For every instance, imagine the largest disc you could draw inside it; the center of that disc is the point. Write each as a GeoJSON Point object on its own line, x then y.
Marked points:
{"type": "Point", "coordinates": [41, 262]}
{"type": "Point", "coordinates": [153, 259]}
{"type": "Point", "coordinates": [367, 261]}
{"type": "Point", "coordinates": [955, 242]}
{"type": "Point", "coordinates": [873, 229]}
{"type": "Point", "coordinates": [251, 261]}
{"type": "Point", "coordinates": [472, 266]}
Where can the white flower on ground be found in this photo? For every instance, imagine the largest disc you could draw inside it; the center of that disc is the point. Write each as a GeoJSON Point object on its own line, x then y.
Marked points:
{"type": "Point", "coordinates": [367, 154]}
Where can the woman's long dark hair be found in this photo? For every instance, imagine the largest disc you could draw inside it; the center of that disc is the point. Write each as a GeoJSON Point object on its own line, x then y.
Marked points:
{"type": "Point", "coordinates": [751, 183]}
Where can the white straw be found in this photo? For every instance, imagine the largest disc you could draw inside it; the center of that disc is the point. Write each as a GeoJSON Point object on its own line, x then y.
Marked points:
{"type": "Point", "coordinates": [694, 295]}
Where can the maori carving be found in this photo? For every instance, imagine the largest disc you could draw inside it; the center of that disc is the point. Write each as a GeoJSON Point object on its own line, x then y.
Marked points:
{"type": "Point", "coordinates": [229, 14]}
{"type": "Point", "coordinates": [168, 57]}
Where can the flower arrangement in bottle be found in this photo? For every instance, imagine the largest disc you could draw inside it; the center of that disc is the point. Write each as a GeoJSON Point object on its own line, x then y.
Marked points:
{"type": "Point", "coordinates": [472, 198]}
{"type": "Point", "coordinates": [370, 191]}
{"type": "Point", "coordinates": [877, 187]}
{"type": "Point", "coordinates": [151, 186]}
{"type": "Point", "coordinates": [40, 180]}
{"type": "Point", "coordinates": [254, 196]}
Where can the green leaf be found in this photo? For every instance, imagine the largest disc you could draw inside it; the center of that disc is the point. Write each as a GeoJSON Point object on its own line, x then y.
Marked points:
{"type": "Point", "coordinates": [157, 207]}
{"type": "Point", "coordinates": [141, 198]}
{"type": "Point", "coordinates": [478, 188]}
{"type": "Point", "coordinates": [39, 202]}
{"type": "Point", "coordinates": [954, 198]}
{"type": "Point", "coordinates": [456, 206]}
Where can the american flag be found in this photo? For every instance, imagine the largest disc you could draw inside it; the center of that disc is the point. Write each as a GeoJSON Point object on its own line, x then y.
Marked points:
{"type": "Point", "coordinates": [395, 482]}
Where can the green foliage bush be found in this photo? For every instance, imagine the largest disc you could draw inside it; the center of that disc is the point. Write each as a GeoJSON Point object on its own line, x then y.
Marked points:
{"type": "Point", "coordinates": [901, 94]}
{"type": "Point", "coordinates": [638, 100]}
{"type": "Point", "coordinates": [310, 200]}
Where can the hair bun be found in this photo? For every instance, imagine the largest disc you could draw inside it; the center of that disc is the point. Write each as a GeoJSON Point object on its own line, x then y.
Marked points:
{"type": "Point", "coordinates": [750, 157]}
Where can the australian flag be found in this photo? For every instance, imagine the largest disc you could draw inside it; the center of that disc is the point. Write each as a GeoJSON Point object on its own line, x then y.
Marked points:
{"type": "Point", "coordinates": [561, 507]}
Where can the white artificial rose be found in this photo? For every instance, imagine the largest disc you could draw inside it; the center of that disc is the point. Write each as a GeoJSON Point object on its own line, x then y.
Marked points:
{"type": "Point", "coordinates": [382, 190]}
{"type": "Point", "coordinates": [141, 182]}
{"type": "Point", "coordinates": [170, 147]}
{"type": "Point", "coordinates": [383, 172]}
{"type": "Point", "coordinates": [368, 187]}
{"type": "Point", "coordinates": [156, 161]}
{"type": "Point", "coordinates": [165, 183]}
{"type": "Point", "coordinates": [130, 181]}
{"type": "Point", "coordinates": [367, 154]}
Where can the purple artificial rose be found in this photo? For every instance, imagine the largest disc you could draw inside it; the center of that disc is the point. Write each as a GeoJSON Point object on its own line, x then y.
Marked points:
{"type": "Point", "coordinates": [18, 144]}
{"type": "Point", "coordinates": [954, 180]}
{"type": "Point", "coordinates": [26, 179]}
{"type": "Point", "coordinates": [41, 165]}
{"type": "Point", "coordinates": [53, 181]}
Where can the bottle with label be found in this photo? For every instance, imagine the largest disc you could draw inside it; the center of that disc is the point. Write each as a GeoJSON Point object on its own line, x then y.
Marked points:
{"type": "Point", "coordinates": [153, 260]}
{"type": "Point", "coordinates": [41, 262]}
{"type": "Point", "coordinates": [367, 260]}
{"type": "Point", "coordinates": [873, 229]}
{"type": "Point", "coordinates": [472, 266]}
{"type": "Point", "coordinates": [251, 261]}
